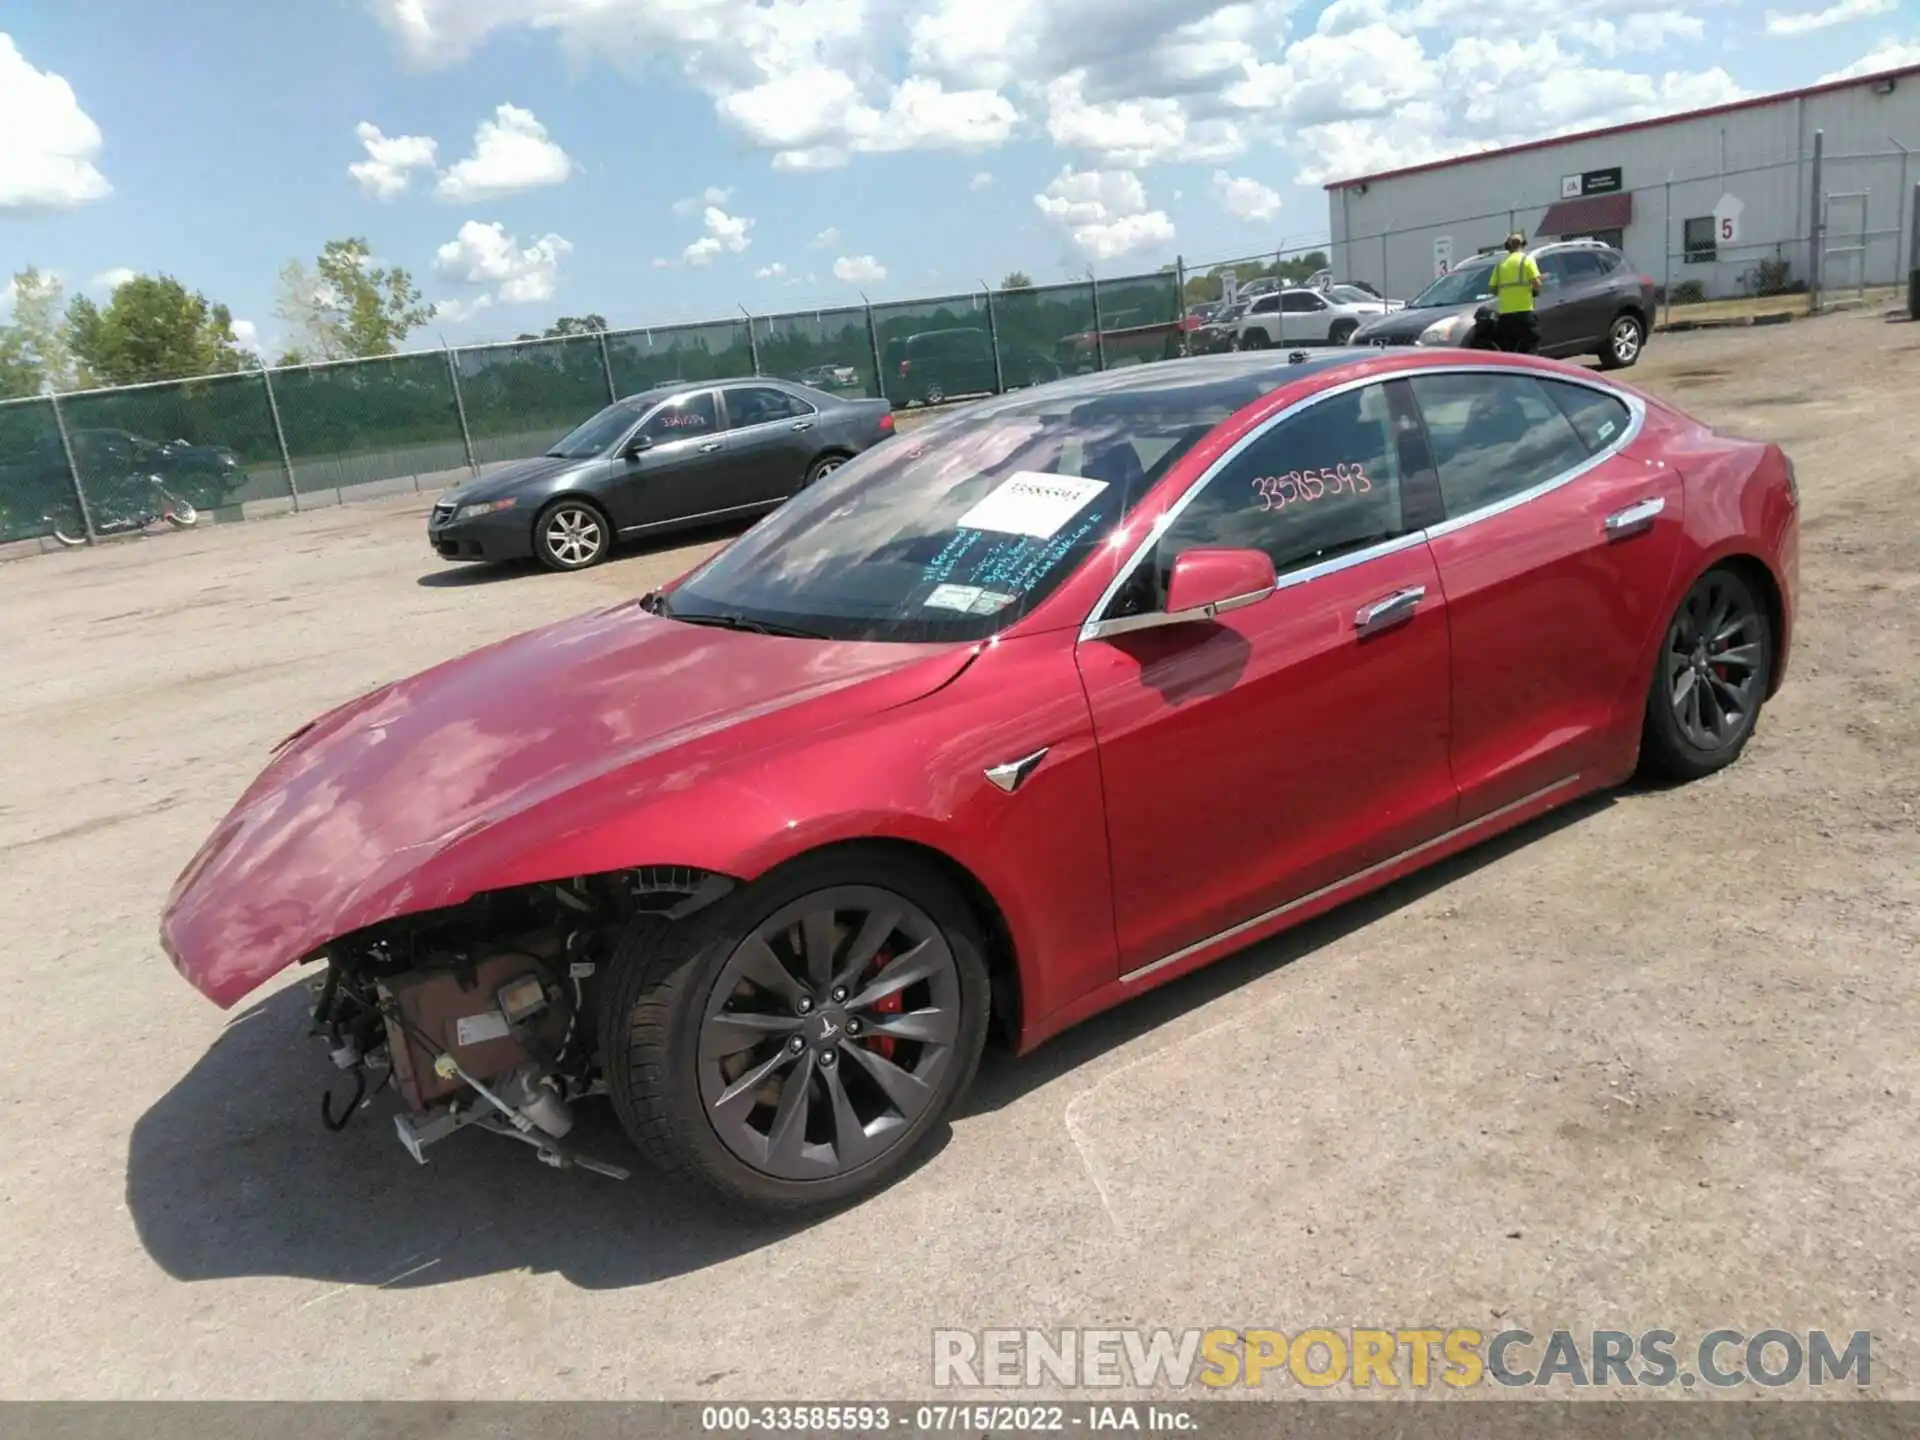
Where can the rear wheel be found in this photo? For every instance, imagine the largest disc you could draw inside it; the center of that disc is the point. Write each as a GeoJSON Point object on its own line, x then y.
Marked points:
{"type": "Point", "coordinates": [1625, 339]}
{"type": "Point", "coordinates": [935, 393]}
{"type": "Point", "coordinates": [1715, 667]}
{"type": "Point", "coordinates": [800, 1042]}
{"type": "Point", "coordinates": [571, 535]}
{"type": "Point", "coordinates": [822, 468]}
{"type": "Point", "coordinates": [177, 512]}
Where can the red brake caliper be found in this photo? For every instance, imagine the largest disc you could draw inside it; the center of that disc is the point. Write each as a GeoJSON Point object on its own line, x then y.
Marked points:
{"type": "Point", "coordinates": [882, 1045]}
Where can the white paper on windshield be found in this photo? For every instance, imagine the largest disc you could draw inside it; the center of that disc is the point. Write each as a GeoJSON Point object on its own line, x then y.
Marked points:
{"type": "Point", "coordinates": [990, 601]}
{"type": "Point", "coordinates": [952, 597]}
{"type": "Point", "coordinates": [1029, 502]}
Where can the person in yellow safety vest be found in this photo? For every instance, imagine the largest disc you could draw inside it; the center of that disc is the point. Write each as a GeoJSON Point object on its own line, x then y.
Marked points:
{"type": "Point", "coordinates": [1516, 280]}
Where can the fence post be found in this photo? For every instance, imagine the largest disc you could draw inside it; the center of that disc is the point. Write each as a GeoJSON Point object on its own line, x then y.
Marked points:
{"type": "Point", "coordinates": [460, 409]}
{"type": "Point", "coordinates": [1386, 286]}
{"type": "Point", "coordinates": [73, 470]}
{"type": "Point", "coordinates": [1181, 347]}
{"type": "Point", "coordinates": [993, 339]}
{"type": "Point", "coordinates": [1666, 245]}
{"type": "Point", "coordinates": [753, 341]}
{"type": "Point", "coordinates": [606, 364]}
{"type": "Point", "coordinates": [1913, 260]}
{"type": "Point", "coordinates": [873, 340]}
{"type": "Point", "coordinates": [280, 435]}
{"type": "Point", "coordinates": [1817, 243]}
{"type": "Point", "coordinates": [1099, 333]}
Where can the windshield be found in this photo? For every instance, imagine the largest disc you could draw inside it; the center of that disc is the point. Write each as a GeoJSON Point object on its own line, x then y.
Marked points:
{"type": "Point", "coordinates": [952, 533]}
{"type": "Point", "coordinates": [1351, 295]}
{"type": "Point", "coordinates": [1460, 287]}
{"type": "Point", "coordinates": [597, 434]}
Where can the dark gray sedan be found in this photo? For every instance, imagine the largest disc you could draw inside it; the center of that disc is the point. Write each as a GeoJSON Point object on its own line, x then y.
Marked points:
{"type": "Point", "coordinates": [681, 454]}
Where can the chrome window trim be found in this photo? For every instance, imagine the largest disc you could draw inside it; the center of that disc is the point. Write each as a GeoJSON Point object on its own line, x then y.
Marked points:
{"type": "Point", "coordinates": [1094, 627]}
{"type": "Point", "coordinates": [813, 411]}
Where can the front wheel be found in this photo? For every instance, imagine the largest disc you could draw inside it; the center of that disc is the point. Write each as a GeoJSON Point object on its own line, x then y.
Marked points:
{"type": "Point", "coordinates": [571, 535]}
{"type": "Point", "coordinates": [1254, 340]}
{"type": "Point", "coordinates": [177, 512]}
{"type": "Point", "coordinates": [799, 1043]}
{"type": "Point", "coordinates": [1714, 671]}
{"type": "Point", "coordinates": [1342, 332]}
{"type": "Point", "coordinates": [1626, 337]}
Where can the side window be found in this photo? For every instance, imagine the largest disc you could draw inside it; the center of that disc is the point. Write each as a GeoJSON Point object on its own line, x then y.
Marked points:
{"type": "Point", "coordinates": [1599, 420]}
{"type": "Point", "coordinates": [762, 405]}
{"type": "Point", "coordinates": [1583, 266]}
{"type": "Point", "coordinates": [683, 418]}
{"type": "Point", "coordinates": [1299, 302]}
{"type": "Point", "coordinates": [1265, 305]}
{"type": "Point", "coordinates": [1493, 436]}
{"type": "Point", "coordinates": [1322, 483]}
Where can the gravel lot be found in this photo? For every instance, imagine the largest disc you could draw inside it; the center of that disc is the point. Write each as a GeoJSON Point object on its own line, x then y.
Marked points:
{"type": "Point", "coordinates": [1650, 1063]}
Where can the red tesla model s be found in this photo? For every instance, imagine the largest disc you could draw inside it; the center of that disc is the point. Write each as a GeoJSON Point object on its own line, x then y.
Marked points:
{"type": "Point", "coordinates": [1006, 721]}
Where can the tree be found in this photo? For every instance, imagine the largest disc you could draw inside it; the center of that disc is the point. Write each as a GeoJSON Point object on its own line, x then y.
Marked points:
{"type": "Point", "coordinates": [346, 306]}
{"type": "Point", "coordinates": [568, 325]}
{"type": "Point", "coordinates": [154, 328]}
{"type": "Point", "coordinates": [34, 354]}
{"type": "Point", "coordinates": [1016, 280]}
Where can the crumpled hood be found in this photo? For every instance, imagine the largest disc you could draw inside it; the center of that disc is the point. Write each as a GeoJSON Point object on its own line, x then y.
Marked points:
{"type": "Point", "coordinates": [1406, 323]}
{"type": "Point", "coordinates": [506, 480]}
{"type": "Point", "coordinates": [338, 832]}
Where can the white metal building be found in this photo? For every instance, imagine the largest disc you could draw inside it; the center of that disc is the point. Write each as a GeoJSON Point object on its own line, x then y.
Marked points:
{"type": "Point", "coordinates": [1704, 196]}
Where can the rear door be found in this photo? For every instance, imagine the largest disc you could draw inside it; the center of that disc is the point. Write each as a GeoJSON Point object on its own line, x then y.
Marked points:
{"type": "Point", "coordinates": [1253, 759]}
{"type": "Point", "coordinates": [1555, 557]}
{"type": "Point", "coordinates": [771, 438]}
{"type": "Point", "coordinates": [676, 476]}
{"type": "Point", "coordinates": [1573, 301]}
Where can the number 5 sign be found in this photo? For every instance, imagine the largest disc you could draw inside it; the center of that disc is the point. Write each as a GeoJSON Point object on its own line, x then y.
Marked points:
{"type": "Point", "coordinates": [1726, 220]}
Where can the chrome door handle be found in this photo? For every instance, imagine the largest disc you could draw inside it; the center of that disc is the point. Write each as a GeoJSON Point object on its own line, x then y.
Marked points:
{"type": "Point", "coordinates": [1634, 519]}
{"type": "Point", "coordinates": [709, 447]}
{"type": "Point", "coordinates": [1389, 611]}
{"type": "Point", "coordinates": [803, 424]}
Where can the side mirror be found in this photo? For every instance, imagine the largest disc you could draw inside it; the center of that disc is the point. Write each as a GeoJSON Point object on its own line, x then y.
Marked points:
{"type": "Point", "coordinates": [1207, 582]}
{"type": "Point", "coordinates": [637, 446]}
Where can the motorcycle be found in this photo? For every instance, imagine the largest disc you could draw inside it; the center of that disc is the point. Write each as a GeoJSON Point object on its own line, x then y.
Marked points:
{"type": "Point", "coordinates": [130, 503]}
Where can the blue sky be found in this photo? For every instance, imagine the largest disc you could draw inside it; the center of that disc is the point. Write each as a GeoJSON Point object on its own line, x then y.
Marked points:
{"type": "Point", "coordinates": [669, 160]}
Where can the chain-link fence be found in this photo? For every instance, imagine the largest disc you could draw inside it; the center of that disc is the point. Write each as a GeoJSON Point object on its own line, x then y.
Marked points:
{"type": "Point", "coordinates": [1815, 223]}
{"type": "Point", "coordinates": [103, 462]}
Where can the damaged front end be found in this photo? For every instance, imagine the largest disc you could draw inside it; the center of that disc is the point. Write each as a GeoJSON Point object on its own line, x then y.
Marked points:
{"type": "Point", "coordinates": [487, 1013]}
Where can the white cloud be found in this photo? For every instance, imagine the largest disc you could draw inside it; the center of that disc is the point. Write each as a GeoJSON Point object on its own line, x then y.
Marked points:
{"type": "Point", "coordinates": [660, 262]}
{"type": "Point", "coordinates": [1104, 212]}
{"type": "Point", "coordinates": [859, 269]}
{"type": "Point", "coordinates": [982, 180]}
{"type": "Point", "coordinates": [770, 272]}
{"type": "Point", "coordinates": [1130, 133]}
{"type": "Point", "coordinates": [247, 333]}
{"type": "Point", "coordinates": [108, 281]}
{"type": "Point", "coordinates": [813, 117]}
{"type": "Point", "coordinates": [1887, 55]}
{"type": "Point", "coordinates": [725, 233]}
{"type": "Point", "coordinates": [391, 160]}
{"type": "Point", "coordinates": [485, 255]}
{"type": "Point", "coordinates": [1805, 22]}
{"type": "Point", "coordinates": [693, 204]}
{"type": "Point", "coordinates": [818, 157]}
{"type": "Point", "coordinates": [47, 160]}
{"type": "Point", "coordinates": [457, 311]}
{"type": "Point", "coordinates": [1244, 198]}
{"type": "Point", "coordinates": [510, 152]}
{"type": "Point", "coordinates": [826, 239]}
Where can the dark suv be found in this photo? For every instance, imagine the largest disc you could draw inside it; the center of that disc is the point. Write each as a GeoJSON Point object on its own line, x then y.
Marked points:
{"type": "Point", "coordinates": [1592, 302]}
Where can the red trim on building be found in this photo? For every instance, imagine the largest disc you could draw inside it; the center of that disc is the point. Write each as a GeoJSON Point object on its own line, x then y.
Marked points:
{"type": "Point", "coordinates": [1779, 97]}
{"type": "Point", "coordinates": [1587, 214]}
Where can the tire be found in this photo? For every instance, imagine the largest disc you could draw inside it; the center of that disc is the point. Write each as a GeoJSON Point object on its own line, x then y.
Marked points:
{"type": "Point", "coordinates": [1716, 656]}
{"type": "Point", "coordinates": [935, 394]}
{"type": "Point", "coordinates": [572, 534]}
{"type": "Point", "coordinates": [1624, 341]}
{"type": "Point", "coordinates": [676, 994]}
{"type": "Point", "coordinates": [67, 538]}
{"type": "Point", "coordinates": [1341, 332]}
{"type": "Point", "coordinates": [822, 468]}
{"type": "Point", "coordinates": [177, 512]}
{"type": "Point", "coordinates": [1255, 339]}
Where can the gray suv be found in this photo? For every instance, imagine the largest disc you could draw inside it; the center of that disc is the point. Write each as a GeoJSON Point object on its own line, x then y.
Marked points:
{"type": "Point", "coordinates": [1592, 302]}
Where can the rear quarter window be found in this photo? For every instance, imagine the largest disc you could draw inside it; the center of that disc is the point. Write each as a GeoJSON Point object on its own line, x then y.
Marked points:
{"type": "Point", "coordinates": [1598, 419]}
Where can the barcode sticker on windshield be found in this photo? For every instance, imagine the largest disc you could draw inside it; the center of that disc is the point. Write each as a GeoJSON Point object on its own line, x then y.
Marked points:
{"type": "Point", "coordinates": [952, 597]}
{"type": "Point", "coordinates": [1031, 503]}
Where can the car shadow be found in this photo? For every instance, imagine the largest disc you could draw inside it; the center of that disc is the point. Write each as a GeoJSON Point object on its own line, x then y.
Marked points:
{"type": "Point", "coordinates": [231, 1174]}
{"type": "Point", "coordinates": [459, 574]}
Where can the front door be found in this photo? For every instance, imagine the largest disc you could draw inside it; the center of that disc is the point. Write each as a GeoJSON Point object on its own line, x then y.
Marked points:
{"type": "Point", "coordinates": [1251, 760]}
{"type": "Point", "coordinates": [674, 476]}
{"type": "Point", "coordinates": [1305, 316]}
{"type": "Point", "coordinates": [771, 439]}
{"type": "Point", "coordinates": [1555, 557]}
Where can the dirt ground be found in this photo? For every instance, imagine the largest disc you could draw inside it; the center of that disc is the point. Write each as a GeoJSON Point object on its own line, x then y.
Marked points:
{"type": "Point", "coordinates": [1647, 1064]}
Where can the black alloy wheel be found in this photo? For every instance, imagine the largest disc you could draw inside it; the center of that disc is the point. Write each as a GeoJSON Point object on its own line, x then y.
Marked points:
{"type": "Point", "coordinates": [797, 1044]}
{"type": "Point", "coordinates": [1713, 675]}
{"type": "Point", "coordinates": [571, 535]}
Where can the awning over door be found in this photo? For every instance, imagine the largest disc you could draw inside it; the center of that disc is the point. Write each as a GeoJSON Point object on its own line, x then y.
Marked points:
{"type": "Point", "coordinates": [1588, 214]}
